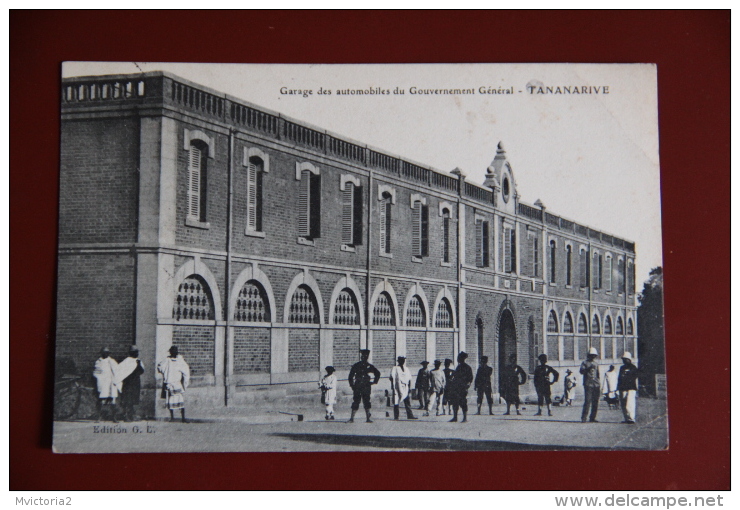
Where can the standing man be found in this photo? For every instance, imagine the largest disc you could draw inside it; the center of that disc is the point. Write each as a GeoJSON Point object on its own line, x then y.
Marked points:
{"type": "Point", "coordinates": [446, 402]}
{"type": "Point", "coordinates": [438, 380]}
{"type": "Point", "coordinates": [512, 377]}
{"type": "Point", "coordinates": [542, 383]}
{"type": "Point", "coordinates": [483, 384]}
{"type": "Point", "coordinates": [105, 376]}
{"type": "Point", "coordinates": [176, 378]}
{"type": "Point", "coordinates": [627, 388]}
{"type": "Point", "coordinates": [361, 378]}
{"type": "Point", "coordinates": [462, 378]}
{"type": "Point", "coordinates": [401, 386]}
{"type": "Point", "coordinates": [591, 386]}
{"type": "Point", "coordinates": [128, 376]}
{"type": "Point", "coordinates": [424, 386]}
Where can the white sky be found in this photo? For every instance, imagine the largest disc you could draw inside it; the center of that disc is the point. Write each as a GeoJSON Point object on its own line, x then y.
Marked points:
{"type": "Point", "coordinates": [589, 158]}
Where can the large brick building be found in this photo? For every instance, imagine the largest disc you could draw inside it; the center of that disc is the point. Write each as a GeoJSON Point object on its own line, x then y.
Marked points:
{"type": "Point", "coordinates": [266, 249]}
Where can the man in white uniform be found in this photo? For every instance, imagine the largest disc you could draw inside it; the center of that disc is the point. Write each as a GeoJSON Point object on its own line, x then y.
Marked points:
{"type": "Point", "coordinates": [105, 376]}
{"type": "Point", "coordinates": [176, 378]}
{"type": "Point", "coordinates": [401, 386]}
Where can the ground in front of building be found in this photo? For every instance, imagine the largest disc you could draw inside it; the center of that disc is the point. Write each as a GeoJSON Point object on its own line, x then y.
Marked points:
{"type": "Point", "coordinates": [235, 431]}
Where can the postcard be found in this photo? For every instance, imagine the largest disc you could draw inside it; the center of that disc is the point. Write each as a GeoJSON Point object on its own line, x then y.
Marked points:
{"type": "Point", "coordinates": [359, 258]}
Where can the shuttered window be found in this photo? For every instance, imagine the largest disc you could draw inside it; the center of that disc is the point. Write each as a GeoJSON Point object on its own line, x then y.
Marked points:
{"type": "Point", "coordinates": [197, 156]}
{"type": "Point", "coordinates": [481, 243]}
{"type": "Point", "coordinates": [309, 205]}
{"type": "Point", "coordinates": [420, 230]}
{"type": "Point", "coordinates": [509, 249]}
{"type": "Point", "coordinates": [351, 214]}
{"type": "Point", "coordinates": [584, 268]}
{"type": "Point", "coordinates": [445, 235]}
{"type": "Point", "coordinates": [552, 261]}
{"type": "Point", "coordinates": [569, 265]}
{"type": "Point", "coordinates": [608, 274]}
{"type": "Point", "coordinates": [535, 255]}
{"type": "Point", "coordinates": [620, 275]}
{"type": "Point", "coordinates": [385, 223]}
{"type": "Point", "coordinates": [597, 271]}
{"type": "Point", "coordinates": [254, 194]}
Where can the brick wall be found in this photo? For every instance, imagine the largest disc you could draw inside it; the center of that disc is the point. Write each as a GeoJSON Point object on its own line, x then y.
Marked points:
{"type": "Point", "coordinates": [384, 350]}
{"type": "Point", "coordinates": [196, 344]}
{"type": "Point", "coordinates": [303, 350]}
{"type": "Point", "coordinates": [251, 350]}
{"type": "Point", "coordinates": [416, 348]}
{"type": "Point", "coordinates": [444, 347]}
{"type": "Point", "coordinates": [98, 181]}
{"type": "Point", "coordinates": [95, 307]}
{"type": "Point", "coordinates": [346, 348]}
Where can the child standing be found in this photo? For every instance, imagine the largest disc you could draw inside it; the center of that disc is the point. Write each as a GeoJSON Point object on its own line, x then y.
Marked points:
{"type": "Point", "coordinates": [328, 387]}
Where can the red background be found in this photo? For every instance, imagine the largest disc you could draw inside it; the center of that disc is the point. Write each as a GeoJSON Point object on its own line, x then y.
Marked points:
{"type": "Point", "coordinates": [692, 50]}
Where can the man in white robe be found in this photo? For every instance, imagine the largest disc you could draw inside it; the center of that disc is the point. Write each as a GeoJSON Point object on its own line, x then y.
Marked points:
{"type": "Point", "coordinates": [176, 378]}
{"type": "Point", "coordinates": [105, 377]}
{"type": "Point", "coordinates": [401, 386]}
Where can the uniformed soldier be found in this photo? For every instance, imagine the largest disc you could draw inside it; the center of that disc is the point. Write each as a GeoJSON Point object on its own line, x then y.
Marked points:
{"type": "Point", "coordinates": [361, 378]}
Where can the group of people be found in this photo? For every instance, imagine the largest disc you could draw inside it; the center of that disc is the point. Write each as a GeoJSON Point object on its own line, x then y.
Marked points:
{"type": "Point", "coordinates": [440, 389]}
{"type": "Point", "coordinates": [123, 379]}
{"type": "Point", "coordinates": [114, 379]}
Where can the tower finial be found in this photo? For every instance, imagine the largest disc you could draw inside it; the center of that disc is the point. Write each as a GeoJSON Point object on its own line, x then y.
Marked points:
{"type": "Point", "coordinates": [500, 148]}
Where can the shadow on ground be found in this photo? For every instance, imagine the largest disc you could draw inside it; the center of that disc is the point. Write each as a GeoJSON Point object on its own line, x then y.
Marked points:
{"type": "Point", "coordinates": [427, 443]}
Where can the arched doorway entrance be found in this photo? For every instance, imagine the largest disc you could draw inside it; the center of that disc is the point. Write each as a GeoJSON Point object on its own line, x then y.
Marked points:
{"type": "Point", "coordinates": [506, 340]}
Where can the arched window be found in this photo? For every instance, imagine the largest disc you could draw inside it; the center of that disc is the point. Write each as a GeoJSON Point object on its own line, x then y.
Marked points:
{"type": "Point", "coordinates": [194, 300]}
{"type": "Point", "coordinates": [620, 326]}
{"type": "Point", "coordinates": [383, 313]}
{"type": "Point", "coordinates": [595, 325]}
{"type": "Point", "coordinates": [252, 304]}
{"type": "Point", "coordinates": [303, 307]}
{"type": "Point", "coordinates": [630, 327]}
{"type": "Point", "coordinates": [552, 322]}
{"type": "Point", "coordinates": [197, 180]}
{"type": "Point", "coordinates": [443, 319]}
{"type": "Point", "coordinates": [445, 235]}
{"type": "Point", "coordinates": [608, 325]}
{"type": "Point", "coordinates": [569, 265]}
{"type": "Point", "coordinates": [346, 310]}
{"type": "Point", "coordinates": [255, 172]}
{"type": "Point", "coordinates": [552, 261]}
{"type": "Point", "coordinates": [416, 316]}
{"type": "Point", "coordinates": [582, 325]}
{"type": "Point", "coordinates": [553, 349]}
{"type": "Point", "coordinates": [568, 323]}
{"type": "Point", "coordinates": [385, 222]}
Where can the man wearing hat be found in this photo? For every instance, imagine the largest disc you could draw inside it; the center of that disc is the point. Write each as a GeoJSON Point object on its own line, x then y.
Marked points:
{"type": "Point", "coordinates": [448, 371]}
{"type": "Point", "coordinates": [361, 378]}
{"type": "Point", "coordinates": [627, 388]}
{"type": "Point", "coordinates": [328, 386]}
{"type": "Point", "coordinates": [401, 385]}
{"type": "Point", "coordinates": [483, 384]}
{"type": "Point", "coordinates": [128, 377]}
{"type": "Point", "coordinates": [512, 377]}
{"type": "Point", "coordinates": [176, 378]}
{"type": "Point", "coordinates": [462, 378]}
{"type": "Point", "coordinates": [591, 386]}
{"type": "Point", "coordinates": [438, 380]}
{"type": "Point", "coordinates": [105, 377]}
{"type": "Point", "coordinates": [424, 387]}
